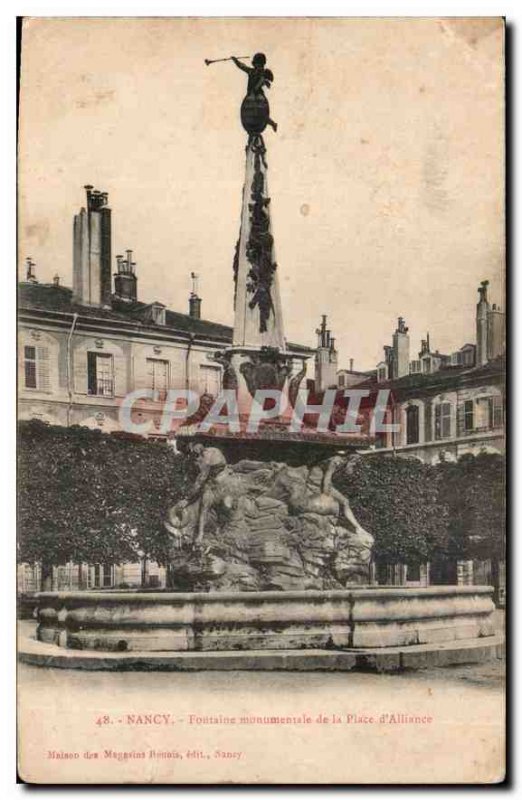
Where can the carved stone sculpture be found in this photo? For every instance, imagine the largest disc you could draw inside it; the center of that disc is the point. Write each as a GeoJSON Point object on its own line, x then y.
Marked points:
{"type": "Point", "coordinates": [256, 526]}
{"type": "Point", "coordinates": [266, 369]}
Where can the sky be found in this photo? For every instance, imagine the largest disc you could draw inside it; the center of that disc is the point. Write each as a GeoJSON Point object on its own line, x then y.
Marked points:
{"type": "Point", "coordinates": [386, 173]}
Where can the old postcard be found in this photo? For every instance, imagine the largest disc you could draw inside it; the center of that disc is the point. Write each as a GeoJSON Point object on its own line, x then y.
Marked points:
{"type": "Point", "coordinates": [261, 387]}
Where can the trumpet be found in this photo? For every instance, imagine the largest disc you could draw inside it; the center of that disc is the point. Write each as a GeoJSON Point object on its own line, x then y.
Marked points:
{"type": "Point", "coordinates": [216, 60]}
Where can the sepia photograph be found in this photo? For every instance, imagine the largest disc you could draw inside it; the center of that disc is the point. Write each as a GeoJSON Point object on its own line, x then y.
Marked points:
{"type": "Point", "coordinates": [261, 421]}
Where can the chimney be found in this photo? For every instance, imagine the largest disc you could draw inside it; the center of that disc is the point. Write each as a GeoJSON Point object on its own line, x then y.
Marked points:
{"type": "Point", "coordinates": [321, 332]}
{"type": "Point", "coordinates": [125, 280]}
{"type": "Point", "coordinates": [389, 358]}
{"type": "Point", "coordinates": [496, 332]}
{"type": "Point", "coordinates": [482, 324]}
{"type": "Point", "coordinates": [351, 365]}
{"type": "Point", "coordinates": [30, 275]}
{"type": "Point", "coordinates": [92, 251]}
{"type": "Point", "coordinates": [401, 350]}
{"type": "Point", "coordinates": [56, 280]}
{"type": "Point", "coordinates": [425, 346]}
{"type": "Point", "coordinates": [325, 358]}
{"type": "Point", "coordinates": [194, 299]}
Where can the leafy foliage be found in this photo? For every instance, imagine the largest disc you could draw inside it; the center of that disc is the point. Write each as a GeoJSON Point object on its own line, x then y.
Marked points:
{"type": "Point", "coordinates": [398, 501]}
{"type": "Point", "coordinates": [474, 491]}
{"type": "Point", "coordinates": [90, 497]}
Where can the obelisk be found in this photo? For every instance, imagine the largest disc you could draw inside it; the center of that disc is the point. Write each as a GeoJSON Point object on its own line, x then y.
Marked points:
{"type": "Point", "coordinates": [258, 318]}
{"type": "Point", "coordinates": [258, 357]}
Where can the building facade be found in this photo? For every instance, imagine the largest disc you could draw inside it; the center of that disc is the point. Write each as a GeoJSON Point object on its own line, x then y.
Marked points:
{"type": "Point", "coordinates": [82, 350]}
{"type": "Point", "coordinates": [446, 405]}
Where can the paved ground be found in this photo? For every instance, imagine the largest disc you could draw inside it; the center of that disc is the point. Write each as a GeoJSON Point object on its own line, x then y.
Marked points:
{"type": "Point", "coordinates": [441, 725]}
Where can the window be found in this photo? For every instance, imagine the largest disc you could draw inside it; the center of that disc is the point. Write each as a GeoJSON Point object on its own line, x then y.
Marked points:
{"type": "Point", "coordinates": [468, 357]}
{"type": "Point", "coordinates": [497, 412]}
{"type": "Point", "coordinates": [210, 380]}
{"type": "Point", "coordinates": [426, 365]}
{"type": "Point", "coordinates": [483, 413]}
{"type": "Point", "coordinates": [412, 425]}
{"type": "Point", "coordinates": [36, 368]}
{"type": "Point", "coordinates": [30, 367]}
{"type": "Point", "coordinates": [468, 415]}
{"type": "Point", "coordinates": [415, 367]}
{"type": "Point", "coordinates": [107, 575]}
{"type": "Point", "coordinates": [158, 372]}
{"type": "Point", "coordinates": [100, 374]}
{"type": "Point", "coordinates": [341, 381]}
{"type": "Point", "coordinates": [443, 421]}
{"type": "Point", "coordinates": [103, 576]}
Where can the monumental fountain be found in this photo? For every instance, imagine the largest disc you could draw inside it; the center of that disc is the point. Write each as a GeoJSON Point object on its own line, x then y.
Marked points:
{"type": "Point", "coordinates": [270, 567]}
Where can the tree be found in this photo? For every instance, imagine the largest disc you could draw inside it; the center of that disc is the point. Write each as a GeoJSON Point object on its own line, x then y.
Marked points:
{"type": "Point", "coordinates": [473, 488]}
{"type": "Point", "coordinates": [397, 500]}
{"type": "Point", "coordinates": [89, 497]}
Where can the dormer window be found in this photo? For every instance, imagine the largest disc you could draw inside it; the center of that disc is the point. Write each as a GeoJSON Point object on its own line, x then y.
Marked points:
{"type": "Point", "coordinates": [158, 313]}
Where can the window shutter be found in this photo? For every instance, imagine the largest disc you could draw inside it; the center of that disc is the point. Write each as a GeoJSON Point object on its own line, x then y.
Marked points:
{"type": "Point", "coordinates": [120, 376]}
{"type": "Point", "coordinates": [437, 421]}
{"type": "Point", "coordinates": [91, 374]}
{"type": "Point", "coordinates": [80, 371]}
{"type": "Point", "coordinates": [497, 411]}
{"type": "Point", "coordinates": [490, 412]}
{"type": "Point", "coordinates": [412, 424]}
{"type": "Point", "coordinates": [427, 421]}
{"type": "Point", "coordinates": [43, 369]}
{"type": "Point", "coordinates": [446, 420]}
{"type": "Point", "coordinates": [177, 374]}
{"type": "Point", "coordinates": [461, 424]}
{"type": "Point", "coordinates": [150, 373]}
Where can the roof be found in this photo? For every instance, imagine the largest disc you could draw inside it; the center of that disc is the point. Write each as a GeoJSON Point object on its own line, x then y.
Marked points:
{"type": "Point", "coordinates": [49, 297]}
{"type": "Point", "coordinates": [447, 375]}
{"type": "Point", "coordinates": [367, 372]}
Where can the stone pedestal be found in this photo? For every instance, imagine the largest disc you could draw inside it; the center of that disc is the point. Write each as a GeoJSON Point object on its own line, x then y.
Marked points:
{"type": "Point", "coordinates": [249, 369]}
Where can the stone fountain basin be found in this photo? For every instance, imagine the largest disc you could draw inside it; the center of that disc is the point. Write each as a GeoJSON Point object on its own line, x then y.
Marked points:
{"type": "Point", "coordinates": [132, 621]}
